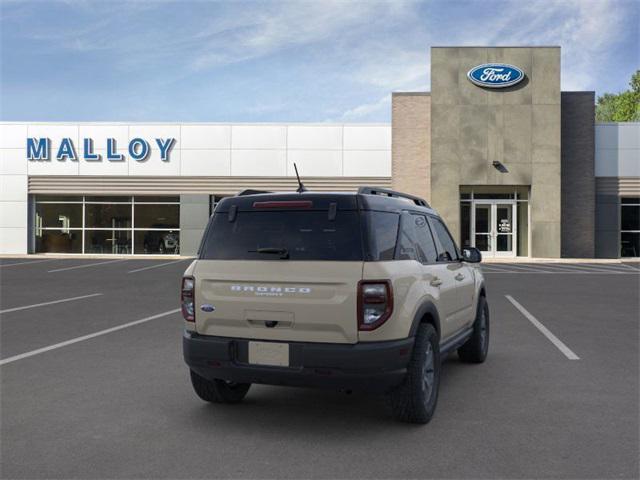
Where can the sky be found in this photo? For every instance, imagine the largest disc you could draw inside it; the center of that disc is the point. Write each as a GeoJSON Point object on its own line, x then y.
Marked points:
{"type": "Point", "coordinates": [279, 61]}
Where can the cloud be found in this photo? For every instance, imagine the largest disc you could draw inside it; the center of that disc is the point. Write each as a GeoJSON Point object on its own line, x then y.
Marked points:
{"type": "Point", "coordinates": [367, 109]}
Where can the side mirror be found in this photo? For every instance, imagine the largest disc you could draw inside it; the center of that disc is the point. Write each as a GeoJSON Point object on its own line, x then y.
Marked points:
{"type": "Point", "coordinates": [471, 255]}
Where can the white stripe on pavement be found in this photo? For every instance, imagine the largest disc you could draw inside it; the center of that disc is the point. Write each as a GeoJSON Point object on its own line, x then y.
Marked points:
{"type": "Point", "coordinates": [573, 272]}
{"type": "Point", "coordinates": [86, 265]}
{"type": "Point", "coordinates": [544, 330]}
{"type": "Point", "coordinates": [527, 268]}
{"type": "Point", "coordinates": [15, 358]}
{"type": "Point", "coordinates": [156, 266]}
{"type": "Point", "coordinates": [580, 268]}
{"type": "Point", "coordinates": [29, 262]}
{"type": "Point", "coordinates": [15, 309]}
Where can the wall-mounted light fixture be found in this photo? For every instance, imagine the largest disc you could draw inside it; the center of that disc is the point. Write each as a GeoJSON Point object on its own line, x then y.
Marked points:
{"type": "Point", "coordinates": [500, 167]}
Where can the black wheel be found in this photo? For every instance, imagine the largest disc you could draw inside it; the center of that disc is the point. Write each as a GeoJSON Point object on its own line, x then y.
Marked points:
{"type": "Point", "coordinates": [476, 348]}
{"type": "Point", "coordinates": [218, 391]}
{"type": "Point", "coordinates": [415, 400]}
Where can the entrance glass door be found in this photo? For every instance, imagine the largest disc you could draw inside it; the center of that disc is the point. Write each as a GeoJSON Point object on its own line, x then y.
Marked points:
{"type": "Point", "coordinates": [482, 235]}
{"type": "Point", "coordinates": [494, 228]}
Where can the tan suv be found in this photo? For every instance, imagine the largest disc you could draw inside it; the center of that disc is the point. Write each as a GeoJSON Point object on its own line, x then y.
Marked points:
{"type": "Point", "coordinates": [352, 291]}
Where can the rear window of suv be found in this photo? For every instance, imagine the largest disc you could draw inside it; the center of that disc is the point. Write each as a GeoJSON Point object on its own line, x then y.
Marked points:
{"type": "Point", "coordinates": [265, 235]}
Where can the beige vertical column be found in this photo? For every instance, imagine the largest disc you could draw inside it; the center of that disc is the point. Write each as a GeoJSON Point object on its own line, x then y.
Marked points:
{"type": "Point", "coordinates": [411, 143]}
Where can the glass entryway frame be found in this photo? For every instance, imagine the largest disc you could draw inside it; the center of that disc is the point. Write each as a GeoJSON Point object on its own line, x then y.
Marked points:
{"type": "Point", "coordinates": [495, 219]}
{"type": "Point", "coordinates": [494, 227]}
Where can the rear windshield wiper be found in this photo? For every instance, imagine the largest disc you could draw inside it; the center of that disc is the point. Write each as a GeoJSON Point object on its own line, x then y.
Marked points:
{"type": "Point", "coordinates": [283, 252]}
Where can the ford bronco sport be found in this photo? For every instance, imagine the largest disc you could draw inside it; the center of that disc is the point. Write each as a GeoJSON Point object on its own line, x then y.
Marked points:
{"type": "Point", "coordinates": [352, 291]}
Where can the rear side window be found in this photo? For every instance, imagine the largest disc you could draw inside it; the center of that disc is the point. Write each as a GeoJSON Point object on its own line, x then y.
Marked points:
{"type": "Point", "coordinates": [448, 245]}
{"type": "Point", "coordinates": [382, 233]}
{"type": "Point", "coordinates": [265, 235]}
{"type": "Point", "coordinates": [415, 241]}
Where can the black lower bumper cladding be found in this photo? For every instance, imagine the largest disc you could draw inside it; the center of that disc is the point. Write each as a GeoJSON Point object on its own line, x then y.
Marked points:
{"type": "Point", "coordinates": [366, 366]}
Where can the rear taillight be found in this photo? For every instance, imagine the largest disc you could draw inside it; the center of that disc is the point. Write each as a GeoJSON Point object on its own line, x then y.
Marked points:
{"type": "Point", "coordinates": [375, 303]}
{"type": "Point", "coordinates": [187, 300]}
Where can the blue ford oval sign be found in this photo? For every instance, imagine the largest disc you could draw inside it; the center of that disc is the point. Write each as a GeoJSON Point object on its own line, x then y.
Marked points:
{"type": "Point", "coordinates": [495, 75]}
{"type": "Point", "coordinates": [207, 308]}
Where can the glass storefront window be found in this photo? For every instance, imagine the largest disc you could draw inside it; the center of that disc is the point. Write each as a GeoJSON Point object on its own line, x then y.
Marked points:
{"type": "Point", "coordinates": [147, 224]}
{"type": "Point", "coordinates": [155, 199]}
{"type": "Point", "coordinates": [465, 224]}
{"type": "Point", "coordinates": [157, 216]}
{"type": "Point", "coordinates": [58, 241]}
{"type": "Point", "coordinates": [59, 215]}
{"type": "Point", "coordinates": [630, 244]}
{"type": "Point", "coordinates": [105, 215]}
{"type": "Point", "coordinates": [156, 242]}
{"type": "Point", "coordinates": [107, 199]}
{"type": "Point", "coordinates": [107, 241]}
{"type": "Point", "coordinates": [630, 227]}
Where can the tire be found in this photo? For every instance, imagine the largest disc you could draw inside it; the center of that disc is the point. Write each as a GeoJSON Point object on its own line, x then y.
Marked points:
{"type": "Point", "coordinates": [218, 391]}
{"type": "Point", "coordinates": [476, 348]}
{"type": "Point", "coordinates": [415, 400]}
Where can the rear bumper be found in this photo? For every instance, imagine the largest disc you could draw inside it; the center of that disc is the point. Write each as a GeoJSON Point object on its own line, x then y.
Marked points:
{"type": "Point", "coordinates": [371, 366]}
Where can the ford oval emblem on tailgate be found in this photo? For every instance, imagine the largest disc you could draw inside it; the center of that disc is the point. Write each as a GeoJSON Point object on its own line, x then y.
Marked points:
{"type": "Point", "coordinates": [207, 308]}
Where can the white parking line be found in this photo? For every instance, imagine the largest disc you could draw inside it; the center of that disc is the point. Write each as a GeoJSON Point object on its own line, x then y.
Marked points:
{"type": "Point", "coordinates": [86, 265]}
{"type": "Point", "coordinates": [156, 266]}
{"type": "Point", "coordinates": [29, 262]}
{"type": "Point", "coordinates": [63, 300]}
{"type": "Point", "coordinates": [583, 268]}
{"type": "Point", "coordinates": [527, 268]}
{"type": "Point", "coordinates": [544, 330]}
{"type": "Point", "coordinates": [15, 358]}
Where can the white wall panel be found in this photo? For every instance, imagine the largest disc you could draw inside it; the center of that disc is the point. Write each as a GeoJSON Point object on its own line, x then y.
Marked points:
{"type": "Point", "coordinates": [629, 162]}
{"type": "Point", "coordinates": [371, 163]}
{"type": "Point", "coordinates": [258, 136]}
{"type": "Point", "coordinates": [13, 136]}
{"type": "Point", "coordinates": [13, 240]}
{"type": "Point", "coordinates": [54, 132]}
{"type": "Point", "coordinates": [151, 132]}
{"type": "Point", "coordinates": [618, 150]}
{"type": "Point", "coordinates": [13, 188]}
{"type": "Point", "coordinates": [259, 162]}
{"type": "Point", "coordinates": [13, 161]}
{"type": "Point", "coordinates": [606, 162]}
{"type": "Point", "coordinates": [205, 136]}
{"type": "Point", "coordinates": [104, 166]}
{"type": "Point", "coordinates": [315, 163]}
{"type": "Point", "coordinates": [314, 137]}
{"type": "Point", "coordinates": [13, 214]}
{"type": "Point", "coordinates": [629, 135]}
{"type": "Point", "coordinates": [100, 133]}
{"type": "Point", "coordinates": [205, 162]}
{"type": "Point", "coordinates": [52, 167]}
{"type": "Point", "coordinates": [367, 137]}
{"type": "Point", "coordinates": [606, 136]}
{"type": "Point", "coordinates": [152, 165]}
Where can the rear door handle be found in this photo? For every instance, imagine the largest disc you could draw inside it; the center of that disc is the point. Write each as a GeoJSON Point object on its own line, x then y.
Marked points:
{"type": "Point", "coordinates": [436, 282]}
{"type": "Point", "coordinates": [459, 277]}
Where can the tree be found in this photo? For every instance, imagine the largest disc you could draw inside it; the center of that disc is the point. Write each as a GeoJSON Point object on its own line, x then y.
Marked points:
{"type": "Point", "coordinates": [621, 107]}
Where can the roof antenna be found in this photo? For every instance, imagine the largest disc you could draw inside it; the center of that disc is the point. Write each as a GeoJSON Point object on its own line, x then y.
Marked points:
{"type": "Point", "coordinates": [301, 187]}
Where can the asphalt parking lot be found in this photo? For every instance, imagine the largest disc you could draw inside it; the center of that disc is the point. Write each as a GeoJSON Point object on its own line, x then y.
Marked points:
{"type": "Point", "coordinates": [83, 398]}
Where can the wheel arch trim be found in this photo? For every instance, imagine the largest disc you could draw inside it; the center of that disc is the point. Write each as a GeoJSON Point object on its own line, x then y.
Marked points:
{"type": "Point", "coordinates": [426, 308]}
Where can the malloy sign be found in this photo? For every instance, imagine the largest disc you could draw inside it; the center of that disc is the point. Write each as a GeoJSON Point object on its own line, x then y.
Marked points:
{"type": "Point", "coordinates": [40, 149]}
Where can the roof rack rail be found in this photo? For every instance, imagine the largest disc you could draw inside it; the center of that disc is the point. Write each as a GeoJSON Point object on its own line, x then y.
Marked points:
{"type": "Point", "coordinates": [392, 193]}
{"type": "Point", "coordinates": [250, 191]}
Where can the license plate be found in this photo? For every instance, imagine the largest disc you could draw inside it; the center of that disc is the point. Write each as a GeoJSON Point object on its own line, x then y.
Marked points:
{"type": "Point", "coordinates": [269, 353]}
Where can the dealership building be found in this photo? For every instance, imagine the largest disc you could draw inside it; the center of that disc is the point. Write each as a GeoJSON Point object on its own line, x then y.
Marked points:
{"type": "Point", "coordinates": [517, 167]}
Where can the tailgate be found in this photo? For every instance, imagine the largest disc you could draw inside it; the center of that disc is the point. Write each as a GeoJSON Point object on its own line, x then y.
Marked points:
{"type": "Point", "coordinates": [306, 301]}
